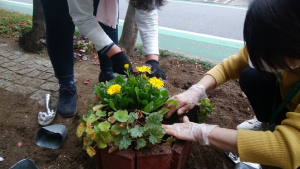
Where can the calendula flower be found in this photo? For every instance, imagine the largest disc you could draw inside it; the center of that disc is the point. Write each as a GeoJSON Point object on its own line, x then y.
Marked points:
{"type": "Point", "coordinates": [158, 83]}
{"type": "Point", "coordinates": [126, 66]}
{"type": "Point", "coordinates": [144, 76]}
{"type": "Point", "coordinates": [116, 88]}
{"type": "Point", "coordinates": [144, 69]}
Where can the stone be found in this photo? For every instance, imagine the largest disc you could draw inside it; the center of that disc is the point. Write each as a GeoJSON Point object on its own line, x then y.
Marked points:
{"type": "Point", "coordinates": [41, 62]}
{"type": "Point", "coordinates": [42, 68]}
{"type": "Point", "coordinates": [24, 71]}
{"type": "Point", "coordinates": [45, 75]}
{"type": "Point", "coordinates": [2, 70]}
{"type": "Point", "coordinates": [24, 80]}
{"type": "Point", "coordinates": [9, 64]}
{"type": "Point", "coordinates": [28, 62]}
{"type": "Point", "coordinates": [48, 86]}
{"type": "Point", "coordinates": [4, 83]}
{"type": "Point", "coordinates": [3, 60]}
{"type": "Point", "coordinates": [48, 64]}
{"type": "Point", "coordinates": [22, 58]}
{"type": "Point", "coordinates": [16, 88]}
{"type": "Point", "coordinates": [12, 57]}
{"type": "Point", "coordinates": [34, 82]}
{"type": "Point", "coordinates": [17, 67]}
{"type": "Point", "coordinates": [34, 73]}
{"type": "Point", "coordinates": [39, 95]}
{"type": "Point", "coordinates": [8, 75]}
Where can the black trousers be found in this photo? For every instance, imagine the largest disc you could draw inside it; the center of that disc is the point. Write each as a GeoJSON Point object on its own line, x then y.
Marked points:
{"type": "Point", "coordinates": [261, 90]}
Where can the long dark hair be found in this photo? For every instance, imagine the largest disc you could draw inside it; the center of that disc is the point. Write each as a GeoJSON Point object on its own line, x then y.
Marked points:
{"type": "Point", "coordinates": [147, 4]}
{"type": "Point", "coordinates": [272, 32]}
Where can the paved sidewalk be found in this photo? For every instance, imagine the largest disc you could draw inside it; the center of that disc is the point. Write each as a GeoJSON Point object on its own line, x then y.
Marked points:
{"type": "Point", "coordinates": [28, 74]}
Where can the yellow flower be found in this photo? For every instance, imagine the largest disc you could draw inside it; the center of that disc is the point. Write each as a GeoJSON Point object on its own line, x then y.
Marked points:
{"type": "Point", "coordinates": [144, 76]}
{"type": "Point", "coordinates": [144, 69]}
{"type": "Point", "coordinates": [126, 66]}
{"type": "Point", "coordinates": [116, 88]}
{"type": "Point", "coordinates": [158, 83]}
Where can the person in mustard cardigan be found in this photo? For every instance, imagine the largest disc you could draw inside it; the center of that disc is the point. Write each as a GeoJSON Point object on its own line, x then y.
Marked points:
{"type": "Point", "coordinates": [269, 74]}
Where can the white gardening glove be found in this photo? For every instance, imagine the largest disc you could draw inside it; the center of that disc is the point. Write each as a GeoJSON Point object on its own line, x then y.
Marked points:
{"type": "Point", "coordinates": [186, 100]}
{"type": "Point", "coordinates": [190, 131]}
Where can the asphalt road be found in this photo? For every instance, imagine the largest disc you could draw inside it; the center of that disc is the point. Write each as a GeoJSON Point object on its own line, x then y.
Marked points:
{"type": "Point", "coordinates": [201, 30]}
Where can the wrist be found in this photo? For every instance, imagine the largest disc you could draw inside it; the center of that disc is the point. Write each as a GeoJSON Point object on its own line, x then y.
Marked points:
{"type": "Point", "coordinates": [199, 90]}
{"type": "Point", "coordinates": [152, 57]}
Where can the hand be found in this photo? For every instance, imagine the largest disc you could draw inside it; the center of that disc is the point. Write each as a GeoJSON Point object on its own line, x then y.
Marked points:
{"type": "Point", "coordinates": [190, 131]}
{"type": "Point", "coordinates": [157, 72]}
{"type": "Point", "coordinates": [186, 100]}
{"type": "Point", "coordinates": [119, 60]}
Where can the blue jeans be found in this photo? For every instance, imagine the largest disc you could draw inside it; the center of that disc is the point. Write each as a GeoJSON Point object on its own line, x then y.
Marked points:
{"type": "Point", "coordinates": [59, 37]}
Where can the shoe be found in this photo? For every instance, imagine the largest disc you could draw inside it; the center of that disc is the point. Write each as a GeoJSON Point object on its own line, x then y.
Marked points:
{"type": "Point", "coordinates": [107, 76]}
{"type": "Point", "coordinates": [252, 124]}
{"type": "Point", "coordinates": [66, 105]}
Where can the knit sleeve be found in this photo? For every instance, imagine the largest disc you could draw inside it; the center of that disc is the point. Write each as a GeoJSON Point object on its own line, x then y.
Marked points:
{"type": "Point", "coordinates": [280, 148]}
{"type": "Point", "coordinates": [147, 23]}
{"type": "Point", "coordinates": [230, 68]}
{"type": "Point", "coordinates": [82, 16]}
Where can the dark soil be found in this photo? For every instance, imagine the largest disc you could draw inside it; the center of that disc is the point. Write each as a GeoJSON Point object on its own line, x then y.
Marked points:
{"type": "Point", "coordinates": [18, 122]}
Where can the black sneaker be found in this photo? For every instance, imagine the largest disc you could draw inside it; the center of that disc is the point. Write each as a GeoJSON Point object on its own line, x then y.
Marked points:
{"type": "Point", "coordinates": [66, 105]}
{"type": "Point", "coordinates": [107, 76]}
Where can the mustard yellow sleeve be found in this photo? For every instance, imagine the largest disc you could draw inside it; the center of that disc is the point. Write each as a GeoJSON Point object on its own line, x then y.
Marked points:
{"type": "Point", "coordinates": [230, 68]}
{"type": "Point", "coordinates": [280, 148]}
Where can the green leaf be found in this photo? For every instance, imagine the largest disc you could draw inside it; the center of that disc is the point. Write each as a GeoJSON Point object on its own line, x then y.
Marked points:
{"type": "Point", "coordinates": [108, 137]}
{"type": "Point", "coordinates": [153, 139]}
{"type": "Point", "coordinates": [165, 94]}
{"type": "Point", "coordinates": [157, 131]}
{"type": "Point", "coordinates": [116, 128]}
{"type": "Point", "coordinates": [132, 81]}
{"type": "Point", "coordinates": [141, 143]}
{"type": "Point", "coordinates": [99, 92]}
{"type": "Point", "coordinates": [169, 141]}
{"type": "Point", "coordinates": [117, 139]}
{"type": "Point", "coordinates": [119, 80]}
{"type": "Point", "coordinates": [125, 142]}
{"type": "Point", "coordinates": [121, 115]}
{"type": "Point", "coordinates": [155, 118]}
{"type": "Point", "coordinates": [136, 131]}
{"type": "Point", "coordinates": [112, 105]}
{"type": "Point", "coordinates": [101, 141]}
{"type": "Point", "coordinates": [124, 102]}
{"type": "Point", "coordinates": [96, 128]}
{"type": "Point", "coordinates": [174, 102]}
{"type": "Point", "coordinates": [104, 126]}
{"type": "Point", "coordinates": [93, 118]}
{"type": "Point", "coordinates": [149, 107]}
{"type": "Point", "coordinates": [111, 119]}
{"type": "Point", "coordinates": [132, 116]}
{"type": "Point", "coordinates": [101, 113]}
{"type": "Point", "coordinates": [136, 89]}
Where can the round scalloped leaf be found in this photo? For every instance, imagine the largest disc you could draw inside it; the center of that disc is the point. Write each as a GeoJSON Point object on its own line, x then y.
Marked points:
{"type": "Point", "coordinates": [136, 131]}
{"type": "Point", "coordinates": [132, 116]}
{"type": "Point", "coordinates": [141, 143]}
{"type": "Point", "coordinates": [101, 113]}
{"type": "Point", "coordinates": [121, 115]}
{"type": "Point", "coordinates": [80, 129]}
{"type": "Point", "coordinates": [104, 126]}
{"type": "Point", "coordinates": [125, 142]}
{"type": "Point", "coordinates": [91, 152]}
{"type": "Point", "coordinates": [111, 119]}
{"type": "Point", "coordinates": [108, 137]}
{"type": "Point", "coordinates": [116, 128]}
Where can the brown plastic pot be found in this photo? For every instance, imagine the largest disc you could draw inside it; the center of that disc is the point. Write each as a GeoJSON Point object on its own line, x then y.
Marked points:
{"type": "Point", "coordinates": [162, 157]}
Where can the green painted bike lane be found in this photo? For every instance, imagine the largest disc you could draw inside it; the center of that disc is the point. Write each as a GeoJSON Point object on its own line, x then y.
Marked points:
{"type": "Point", "coordinates": [187, 43]}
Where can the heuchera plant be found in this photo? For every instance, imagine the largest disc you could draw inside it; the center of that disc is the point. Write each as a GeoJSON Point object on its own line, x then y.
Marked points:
{"type": "Point", "coordinates": [128, 115]}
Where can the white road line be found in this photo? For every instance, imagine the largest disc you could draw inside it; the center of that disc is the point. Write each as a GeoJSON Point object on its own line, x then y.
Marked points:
{"type": "Point", "coordinates": [197, 34]}
{"type": "Point", "coordinates": [17, 2]}
{"type": "Point", "coordinates": [207, 4]}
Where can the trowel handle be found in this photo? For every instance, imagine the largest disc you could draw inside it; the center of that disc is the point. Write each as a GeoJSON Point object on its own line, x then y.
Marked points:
{"type": "Point", "coordinates": [48, 103]}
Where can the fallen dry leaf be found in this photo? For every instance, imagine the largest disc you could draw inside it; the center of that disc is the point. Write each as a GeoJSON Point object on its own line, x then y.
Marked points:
{"type": "Point", "coordinates": [86, 81]}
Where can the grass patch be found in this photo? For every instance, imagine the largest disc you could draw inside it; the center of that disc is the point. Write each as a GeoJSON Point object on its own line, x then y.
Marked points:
{"type": "Point", "coordinates": [13, 24]}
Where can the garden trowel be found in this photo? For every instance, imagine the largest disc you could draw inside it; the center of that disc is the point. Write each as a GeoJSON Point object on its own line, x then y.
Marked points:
{"type": "Point", "coordinates": [45, 118]}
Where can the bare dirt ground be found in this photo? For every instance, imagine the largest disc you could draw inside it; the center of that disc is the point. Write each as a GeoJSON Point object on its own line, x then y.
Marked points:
{"type": "Point", "coordinates": [18, 122]}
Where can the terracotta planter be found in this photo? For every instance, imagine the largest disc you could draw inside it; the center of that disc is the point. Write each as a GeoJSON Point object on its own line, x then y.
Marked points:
{"type": "Point", "coordinates": [162, 157]}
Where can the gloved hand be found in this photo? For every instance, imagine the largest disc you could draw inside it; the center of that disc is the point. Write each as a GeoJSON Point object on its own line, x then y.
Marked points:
{"type": "Point", "coordinates": [119, 60]}
{"type": "Point", "coordinates": [186, 100]}
{"type": "Point", "coordinates": [190, 131]}
{"type": "Point", "coordinates": [157, 72]}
